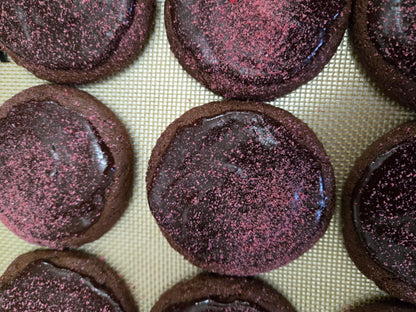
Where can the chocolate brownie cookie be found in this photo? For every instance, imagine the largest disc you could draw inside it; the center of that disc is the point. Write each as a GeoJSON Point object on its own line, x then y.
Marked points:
{"type": "Point", "coordinates": [66, 166]}
{"type": "Point", "coordinates": [384, 38]}
{"type": "Point", "coordinates": [379, 215]}
{"type": "Point", "coordinates": [240, 188]}
{"type": "Point", "coordinates": [396, 306]}
{"type": "Point", "coordinates": [74, 41]}
{"type": "Point", "coordinates": [208, 292]}
{"type": "Point", "coordinates": [259, 50]}
{"type": "Point", "coordinates": [47, 280]}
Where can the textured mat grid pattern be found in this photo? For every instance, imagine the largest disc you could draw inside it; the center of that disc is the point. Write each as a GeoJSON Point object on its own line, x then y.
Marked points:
{"type": "Point", "coordinates": [340, 105]}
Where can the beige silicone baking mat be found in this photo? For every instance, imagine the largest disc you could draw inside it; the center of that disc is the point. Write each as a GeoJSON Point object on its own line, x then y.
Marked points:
{"type": "Point", "coordinates": [345, 110]}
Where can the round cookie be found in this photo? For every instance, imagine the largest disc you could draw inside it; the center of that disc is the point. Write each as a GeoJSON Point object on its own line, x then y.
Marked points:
{"type": "Point", "coordinates": [258, 50]}
{"type": "Point", "coordinates": [208, 292]}
{"type": "Point", "coordinates": [77, 41]}
{"type": "Point", "coordinates": [46, 280]}
{"type": "Point", "coordinates": [240, 188]}
{"type": "Point", "coordinates": [379, 215]}
{"type": "Point", "coordinates": [66, 166]}
{"type": "Point", "coordinates": [396, 306]}
{"type": "Point", "coordinates": [384, 39]}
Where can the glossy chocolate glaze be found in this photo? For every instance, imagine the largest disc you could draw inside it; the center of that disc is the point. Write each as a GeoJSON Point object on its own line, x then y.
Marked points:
{"type": "Point", "coordinates": [237, 190]}
{"type": "Point", "coordinates": [392, 29]}
{"type": "Point", "coordinates": [261, 41]}
{"type": "Point", "coordinates": [211, 305]}
{"type": "Point", "coordinates": [384, 211]}
{"type": "Point", "coordinates": [41, 286]}
{"type": "Point", "coordinates": [54, 171]}
{"type": "Point", "coordinates": [57, 34]}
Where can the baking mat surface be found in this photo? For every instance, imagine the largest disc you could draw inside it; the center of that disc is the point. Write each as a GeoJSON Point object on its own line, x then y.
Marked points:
{"type": "Point", "coordinates": [341, 105]}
